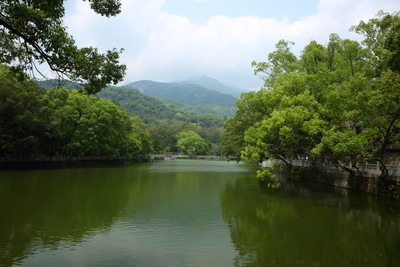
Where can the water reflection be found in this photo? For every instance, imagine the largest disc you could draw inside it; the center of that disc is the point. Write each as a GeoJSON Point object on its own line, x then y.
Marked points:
{"type": "Point", "coordinates": [188, 213]}
{"type": "Point", "coordinates": [155, 214]}
{"type": "Point", "coordinates": [309, 224]}
{"type": "Point", "coordinates": [47, 209]}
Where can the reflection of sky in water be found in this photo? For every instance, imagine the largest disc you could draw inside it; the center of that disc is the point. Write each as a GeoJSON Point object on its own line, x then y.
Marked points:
{"type": "Point", "coordinates": [198, 166]}
{"type": "Point", "coordinates": [157, 244]}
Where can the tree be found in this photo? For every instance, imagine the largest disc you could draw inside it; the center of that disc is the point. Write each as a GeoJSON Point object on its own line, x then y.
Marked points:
{"type": "Point", "coordinates": [139, 139]}
{"type": "Point", "coordinates": [32, 33]}
{"type": "Point", "coordinates": [22, 113]}
{"type": "Point", "coordinates": [380, 38]}
{"type": "Point", "coordinates": [192, 143]}
{"type": "Point", "coordinates": [251, 109]}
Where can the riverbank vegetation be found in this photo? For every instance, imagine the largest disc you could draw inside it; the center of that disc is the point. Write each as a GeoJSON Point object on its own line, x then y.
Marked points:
{"type": "Point", "coordinates": [338, 102]}
{"type": "Point", "coordinates": [59, 122]}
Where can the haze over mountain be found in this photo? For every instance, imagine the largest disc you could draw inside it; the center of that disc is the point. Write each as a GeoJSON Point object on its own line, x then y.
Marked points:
{"type": "Point", "coordinates": [213, 84]}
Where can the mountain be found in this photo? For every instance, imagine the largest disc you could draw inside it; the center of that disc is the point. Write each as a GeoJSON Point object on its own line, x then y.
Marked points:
{"type": "Point", "coordinates": [186, 93]}
{"type": "Point", "coordinates": [213, 84]}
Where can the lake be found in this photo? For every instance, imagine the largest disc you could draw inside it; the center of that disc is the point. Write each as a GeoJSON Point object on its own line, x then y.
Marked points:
{"type": "Point", "coordinates": [189, 213]}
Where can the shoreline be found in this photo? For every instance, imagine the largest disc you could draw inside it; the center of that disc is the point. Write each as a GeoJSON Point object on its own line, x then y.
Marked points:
{"type": "Point", "coordinates": [388, 187]}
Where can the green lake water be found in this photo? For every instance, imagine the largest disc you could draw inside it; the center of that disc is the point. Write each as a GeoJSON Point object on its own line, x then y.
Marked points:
{"type": "Point", "coordinates": [189, 213]}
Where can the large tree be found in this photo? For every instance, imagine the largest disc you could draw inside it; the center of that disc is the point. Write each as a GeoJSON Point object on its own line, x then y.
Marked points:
{"type": "Point", "coordinates": [191, 143]}
{"type": "Point", "coordinates": [32, 33]}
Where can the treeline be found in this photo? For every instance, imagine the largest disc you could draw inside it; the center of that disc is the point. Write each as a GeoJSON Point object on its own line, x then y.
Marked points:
{"type": "Point", "coordinates": [165, 138]}
{"type": "Point", "coordinates": [59, 122]}
{"type": "Point", "coordinates": [337, 102]}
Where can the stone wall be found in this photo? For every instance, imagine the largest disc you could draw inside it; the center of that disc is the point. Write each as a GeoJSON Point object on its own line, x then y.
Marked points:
{"type": "Point", "coordinates": [391, 157]}
{"type": "Point", "coordinates": [387, 187]}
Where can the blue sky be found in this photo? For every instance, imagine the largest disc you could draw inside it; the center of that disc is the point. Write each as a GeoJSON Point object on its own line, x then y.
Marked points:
{"type": "Point", "coordinates": [167, 40]}
{"type": "Point", "coordinates": [202, 10]}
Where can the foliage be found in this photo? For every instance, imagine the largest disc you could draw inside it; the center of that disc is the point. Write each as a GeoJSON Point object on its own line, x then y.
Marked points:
{"type": "Point", "coordinates": [339, 101]}
{"type": "Point", "coordinates": [21, 114]}
{"type": "Point", "coordinates": [33, 33]}
{"type": "Point", "coordinates": [151, 110]}
{"type": "Point", "coordinates": [191, 143]}
{"type": "Point", "coordinates": [61, 122]}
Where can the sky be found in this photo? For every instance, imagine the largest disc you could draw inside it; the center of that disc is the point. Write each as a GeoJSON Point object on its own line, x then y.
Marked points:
{"type": "Point", "coordinates": [167, 40]}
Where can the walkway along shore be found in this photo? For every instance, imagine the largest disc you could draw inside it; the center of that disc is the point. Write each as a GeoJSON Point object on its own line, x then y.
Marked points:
{"type": "Point", "coordinates": [61, 162]}
{"type": "Point", "coordinates": [68, 161]}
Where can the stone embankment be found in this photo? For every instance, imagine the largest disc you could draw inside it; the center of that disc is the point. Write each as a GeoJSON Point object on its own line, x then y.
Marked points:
{"type": "Point", "coordinates": [368, 180]}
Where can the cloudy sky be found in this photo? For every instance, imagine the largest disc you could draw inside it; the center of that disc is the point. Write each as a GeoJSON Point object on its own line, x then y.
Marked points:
{"type": "Point", "coordinates": [167, 40]}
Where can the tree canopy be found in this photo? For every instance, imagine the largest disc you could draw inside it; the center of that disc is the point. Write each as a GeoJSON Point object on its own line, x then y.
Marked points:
{"type": "Point", "coordinates": [191, 143]}
{"type": "Point", "coordinates": [337, 101]}
{"type": "Point", "coordinates": [58, 122]}
{"type": "Point", "coordinates": [32, 33]}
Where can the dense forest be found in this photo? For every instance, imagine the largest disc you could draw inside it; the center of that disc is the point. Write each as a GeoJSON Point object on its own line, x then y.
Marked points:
{"type": "Point", "coordinates": [337, 102]}
{"type": "Point", "coordinates": [59, 122]}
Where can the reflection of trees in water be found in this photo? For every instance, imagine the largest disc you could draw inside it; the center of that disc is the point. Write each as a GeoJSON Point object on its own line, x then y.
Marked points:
{"type": "Point", "coordinates": [307, 224]}
{"type": "Point", "coordinates": [46, 209]}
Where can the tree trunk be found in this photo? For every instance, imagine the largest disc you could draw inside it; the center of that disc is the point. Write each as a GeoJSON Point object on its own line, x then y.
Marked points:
{"type": "Point", "coordinates": [384, 172]}
{"type": "Point", "coordinates": [285, 160]}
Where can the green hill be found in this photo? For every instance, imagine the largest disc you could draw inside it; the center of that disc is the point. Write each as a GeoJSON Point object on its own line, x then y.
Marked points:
{"type": "Point", "coordinates": [186, 93]}
{"type": "Point", "coordinates": [153, 111]}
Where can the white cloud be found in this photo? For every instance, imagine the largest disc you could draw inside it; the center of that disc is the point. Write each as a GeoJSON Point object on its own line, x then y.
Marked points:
{"type": "Point", "coordinates": [163, 47]}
